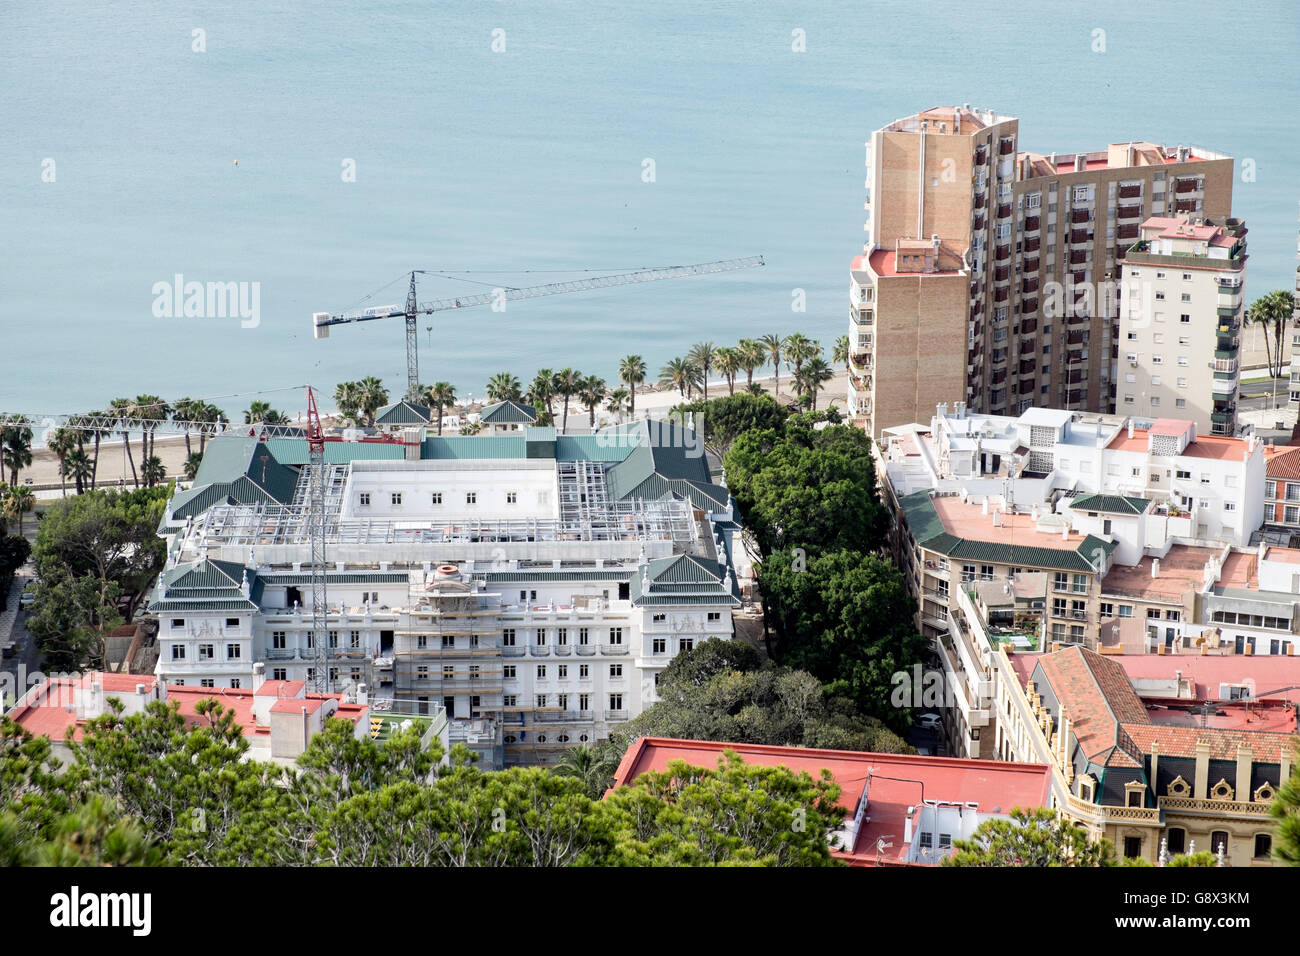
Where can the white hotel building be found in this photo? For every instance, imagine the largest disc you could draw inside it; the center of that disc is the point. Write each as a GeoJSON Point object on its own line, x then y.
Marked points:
{"type": "Point", "coordinates": [533, 584]}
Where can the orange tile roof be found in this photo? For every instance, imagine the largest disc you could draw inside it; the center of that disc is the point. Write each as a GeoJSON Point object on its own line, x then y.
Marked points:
{"type": "Point", "coordinates": [1217, 446]}
{"type": "Point", "coordinates": [1096, 697]}
{"type": "Point", "coordinates": [995, 785]}
{"type": "Point", "coordinates": [1284, 463]}
{"type": "Point", "coordinates": [1181, 741]}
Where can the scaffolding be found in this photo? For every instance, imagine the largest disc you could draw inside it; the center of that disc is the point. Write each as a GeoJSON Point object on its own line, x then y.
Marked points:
{"type": "Point", "coordinates": [586, 514]}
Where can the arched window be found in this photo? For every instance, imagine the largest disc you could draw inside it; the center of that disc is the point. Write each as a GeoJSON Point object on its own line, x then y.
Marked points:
{"type": "Point", "coordinates": [1219, 841]}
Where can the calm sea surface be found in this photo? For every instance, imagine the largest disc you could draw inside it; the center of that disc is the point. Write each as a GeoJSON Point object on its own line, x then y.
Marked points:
{"type": "Point", "coordinates": [532, 158]}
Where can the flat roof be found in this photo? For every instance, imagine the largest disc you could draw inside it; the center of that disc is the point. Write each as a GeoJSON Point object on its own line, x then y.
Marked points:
{"type": "Point", "coordinates": [1181, 570]}
{"type": "Point", "coordinates": [967, 520]}
{"type": "Point", "coordinates": [1273, 676]}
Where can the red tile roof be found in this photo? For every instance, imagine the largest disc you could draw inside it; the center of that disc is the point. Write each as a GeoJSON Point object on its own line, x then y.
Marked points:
{"type": "Point", "coordinates": [1181, 742]}
{"type": "Point", "coordinates": [1285, 464]}
{"type": "Point", "coordinates": [1096, 697]}
{"type": "Point", "coordinates": [893, 783]}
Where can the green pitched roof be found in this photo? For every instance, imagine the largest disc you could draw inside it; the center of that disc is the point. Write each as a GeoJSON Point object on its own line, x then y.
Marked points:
{"type": "Point", "coordinates": [404, 413]}
{"type": "Point", "coordinates": [1111, 504]}
{"type": "Point", "coordinates": [509, 413]}
{"type": "Point", "coordinates": [682, 579]}
{"type": "Point", "coordinates": [474, 446]}
{"type": "Point", "coordinates": [238, 469]}
{"type": "Point", "coordinates": [294, 451]}
{"type": "Point", "coordinates": [928, 529]}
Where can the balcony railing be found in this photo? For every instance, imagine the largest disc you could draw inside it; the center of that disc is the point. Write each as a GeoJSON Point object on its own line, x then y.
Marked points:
{"type": "Point", "coordinates": [536, 651]}
{"type": "Point", "coordinates": [616, 715]}
{"type": "Point", "coordinates": [585, 650]}
{"type": "Point", "coordinates": [514, 651]}
{"type": "Point", "coordinates": [613, 650]}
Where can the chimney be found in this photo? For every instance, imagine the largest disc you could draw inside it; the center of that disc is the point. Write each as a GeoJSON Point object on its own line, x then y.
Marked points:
{"type": "Point", "coordinates": [259, 675]}
{"type": "Point", "coordinates": [1183, 153]}
{"type": "Point", "coordinates": [1155, 567]}
{"type": "Point", "coordinates": [1052, 159]}
{"type": "Point", "coordinates": [1080, 162]}
{"type": "Point", "coordinates": [984, 505]}
{"type": "Point", "coordinates": [1130, 428]}
{"type": "Point", "coordinates": [1160, 648]}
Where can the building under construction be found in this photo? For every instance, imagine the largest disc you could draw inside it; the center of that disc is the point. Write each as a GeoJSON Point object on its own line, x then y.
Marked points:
{"type": "Point", "coordinates": [533, 584]}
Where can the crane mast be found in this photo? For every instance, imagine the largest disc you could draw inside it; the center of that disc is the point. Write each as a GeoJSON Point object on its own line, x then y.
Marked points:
{"type": "Point", "coordinates": [320, 681]}
{"type": "Point", "coordinates": [322, 321]}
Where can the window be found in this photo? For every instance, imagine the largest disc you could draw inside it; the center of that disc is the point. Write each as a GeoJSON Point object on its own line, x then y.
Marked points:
{"type": "Point", "coordinates": [715, 615]}
{"type": "Point", "coordinates": [1176, 840]}
{"type": "Point", "coordinates": [1180, 403]}
{"type": "Point", "coordinates": [541, 700]}
{"type": "Point", "coordinates": [396, 497]}
{"type": "Point", "coordinates": [1263, 845]}
{"type": "Point", "coordinates": [364, 499]}
{"type": "Point", "coordinates": [562, 702]}
{"type": "Point", "coordinates": [279, 673]}
{"type": "Point", "coordinates": [563, 670]}
{"type": "Point", "coordinates": [1132, 846]}
{"type": "Point", "coordinates": [1060, 581]}
{"type": "Point", "coordinates": [178, 652]}
{"type": "Point", "coordinates": [615, 701]}
{"type": "Point", "coordinates": [583, 637]}
{"type": "Point", "coordinates": [615, 670]}
{"type": "Point", "coordinates": [1080, 584]}
{"type": "Point", "coordinates": [686, 644]}
{"type": "Point", "coordinates": [232, 622]}
{"type": "Point", "coordinates": [354, 639]}
{"type": "Point", "coordinates": [207, 682]}
{"type": "Point", "coordinates": [1187, 297]}
{"type": "Point", "coordinates": [1126, 610]}
{"type": "Point", "coordinates": [421, 642]}
{"type": "Point", "coordinates": [986, 572]}
{"type": "Point", "coordinates": [584, 671]}
{"type": "Point", "coordinates": [471, 497]}
{"type": "Point", "coordinates": [233, 652]}
{"type": "Point", "coordinates": [435, 498]}
{"type": "Point", "coordinates": [1219, 842]}
{"type": "Point", "coordinates": [205, 652]}
{"type": "Point", "coordinates": [616, 635]}
{"type": "Point", "coordinates": [1173, 615]}
{"type": "Point", "coordinates": [562, 636]}
{"type": "Point", "coordinates": [334, 638]}
{"type": "Point", "coordinates": [659, 646]}
{"type": "Point", "coordinates": [1153, 613]}
{"type": "Point", "coordinates": [178, 622]}
{"type": "Point", "coordinates": [508, 637]}
{"type": "Point", "coordinates": [512, 497]}
{"type": "Point", "coordinates": [541, 637]}
{"type": "Point", "coordinates": [508, 671]}
{"type": "Point", "coordinates": [1182, 383]}
{"type": "Point", "coordinates": [584, 702]}
{"type": "Point", "coordinates": [541, 672]}
{"type": "Point", "coordinates": [1185, 319]}
{"type": "Point", "coordinates": [510, 700]}
{"type": "Point", "coordinates": [278, 640]}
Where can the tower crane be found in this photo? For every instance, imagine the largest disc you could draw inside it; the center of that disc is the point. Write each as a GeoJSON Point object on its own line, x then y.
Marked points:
{"type": "Point", "coordinates": [320, 682]}
{"type": "Point", "coordinates": [322, 321]}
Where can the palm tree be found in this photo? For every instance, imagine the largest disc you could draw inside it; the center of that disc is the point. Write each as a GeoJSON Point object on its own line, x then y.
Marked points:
{"type": "Point", "coordinates": [799, 349]}
{"type": "Point", "coordinates": [727, 361]}
{"type": "Point", "coordinates": [152, 471]}
{"type": "Point", "coordinates": [94, 428]}
{"type": "Point", "coordinates": [503, 387]}
{"type": "Point", "coordinates": [840, 354]}
{"type": "Point", "coordinates": [17, 503]}
{"type": "Point", "coordinates": [567, 383]}
{"type": "Point", "coordinates": [617, 399]}
{"type": "Point", "coordinates": [701, 356]}
{"type": "Point", "coordinates": [589, 765]}
{"type": "Point", "coordinates": [152, 411]}
{"type": "Point", "coordinates": [773, 343]}
{"type": "Point", "coordinates": [183, 413]}
{"type": "Point", "coordinates": [347, 399]}
{"type": "Point", "coordinates": [211, 420]}
{"type": "Point", "coordinates": [592, 391]}
{"type": "Point", "coordinates": [678, 373]}
{"type": "Point", "coordinates": [632, 372]}
{"type": "Point", "coordinates": [262, 413]}
{"type": "Point", "coordinates": [192, 463]}
{"type": "Point", "coordinates": [753, 356]}
{"type": "Point", "coordinates": [62, 443]}
{"type": "Point", "coordinates": [542, 389]}
{"type": "Point", "coordinates": [1272, 311]}
{"type": "Point", "coordinates": [441, 395]}
{"type": "Point", "coordinates": [813, 377]}
{"type": "Point", "coordinates": [15, 449]}
{"type": "Point", "coordinates": [372, 396]}
{"type": "Point", "coordinates": [77, 466]}
{"type": "Point", "coordinates": [123, 410]}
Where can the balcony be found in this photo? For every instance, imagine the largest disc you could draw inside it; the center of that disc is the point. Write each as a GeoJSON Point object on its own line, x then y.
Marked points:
{"type": "Point", "coordinates": [514, 651]}
{"type": "Point", "coordinates": [616, 715]}
{"type": "Point", "coordinates": [562, 650]}
{"type": "Point", "coordinates": [1224, 416]}
{"type": "Point", "coordinates": [1128, 212]}
{"type": "Point", "coordinates": [614, 650]}
{"type": "Point", "coordinates": [1130, 192]}
{"type": "Point", "coordinates": [1184, 186]}
{"type": "Point", "coordinates": [536, 651]}
{"type": "Point", "coordinates": [585, 650]}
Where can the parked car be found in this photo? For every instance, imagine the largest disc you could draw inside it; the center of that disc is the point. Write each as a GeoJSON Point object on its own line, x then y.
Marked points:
{"type": "Point", "coordinates": [929, 721]}
{"type": "Point", "coordinates": [27, 599]}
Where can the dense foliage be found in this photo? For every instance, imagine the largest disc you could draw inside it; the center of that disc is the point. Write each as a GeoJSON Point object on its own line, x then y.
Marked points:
{"type": "Point", "coordinates": [719, 692]}
{"type": "Point", "coordinates": [96, 556]}
{"type": "Point", "coordinates": [146, 788]}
